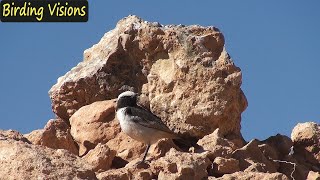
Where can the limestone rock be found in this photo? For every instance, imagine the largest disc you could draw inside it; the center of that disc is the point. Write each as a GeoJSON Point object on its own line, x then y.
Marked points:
{"type": "Point", "coordinates": [184, 74]}
{"type": "Point", "coordinates": [225, 166]}
{"type": "Point", "coordinates": [93, 124]}
{"type": "Point", "coordinates": [56, 135]}
{"type": "Point", "coordinates": [127, 149]}
{"type": "Point", "coordinates": [281, 145]}
{"type": "Point", "coordinates": [100, 158]}
{"type": "Point", "coordinates": [216, 145]}
{"type": "Point", "coordinates": [304, 132]}
{"type": "Point", "coordinates": [313, 175]}
{"type": "Point", "coordinates": [252, 159]}
{"type": "Point", "coordinates": [252, 176]}
{"type": "Point", "coordinates": [13, 135]}
{"type": "Point", "coordinates": [115, 174]}
{"type": "Point", "coordinates": [160, 148]}
{"type": "Point", "coordinates": [181, 165]}
{"type": "Point", "coordinates": [174, 165]}
{"type": "Point", "coordinates": [20, 160]}
{"type": "Point", "coordinates": [306, 139]}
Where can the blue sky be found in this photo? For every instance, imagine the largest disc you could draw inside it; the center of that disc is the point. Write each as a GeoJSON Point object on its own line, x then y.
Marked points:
{"type": "Point", "coordinates": [275, 43]}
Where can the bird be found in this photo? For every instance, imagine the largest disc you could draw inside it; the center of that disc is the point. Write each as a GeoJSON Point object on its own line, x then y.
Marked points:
{"type": "Point", "coordinates": [139, 123]}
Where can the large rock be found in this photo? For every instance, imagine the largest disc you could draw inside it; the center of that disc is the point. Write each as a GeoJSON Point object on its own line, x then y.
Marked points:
{"type": "Point", "coordinates": [93, 124]}
{"type": "Point", "coordinates": [20, 160]}
{"type": "Point", "coordinates": [280, 144]}
{"type": "Point", "coordinates": [56, 135]}
{"type": "Point", "coordinates": [184, 74]}
{"type": "Point", "coordinates": [252, 159]}
{"type": "Point", "coordinates": [306, 139]}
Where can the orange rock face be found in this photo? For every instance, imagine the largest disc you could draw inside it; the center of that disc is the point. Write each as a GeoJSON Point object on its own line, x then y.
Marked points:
{"type": "Point", "coordinates": [93, 124]}
{"type": "Point", "coordinates": [183, 73]}
{"type": "Point", "coordinates": [56, 135]}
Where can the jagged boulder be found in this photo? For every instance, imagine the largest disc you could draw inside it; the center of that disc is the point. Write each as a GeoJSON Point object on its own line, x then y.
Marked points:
{"type": "Point", "coordinates": [22, 160]}
{"type": "Point", "coordinates": [56, 135]}
{"type": "Point", "coordinates": [184, 75]}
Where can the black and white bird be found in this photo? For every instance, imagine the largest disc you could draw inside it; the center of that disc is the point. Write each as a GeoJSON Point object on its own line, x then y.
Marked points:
{"type": "Point", "coordinates": [139, 123]}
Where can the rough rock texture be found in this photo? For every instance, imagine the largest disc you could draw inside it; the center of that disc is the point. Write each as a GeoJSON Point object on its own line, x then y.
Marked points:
{"type": "Point", "coordinates": [12, 134]}
{"type": "Point", "coordinates": [174, 165]}
{"type": "Point", "coordinates": [115, 174]}
{"type": "Point", "coordinates": [100, 158]}
{"type": "Point", "coordinates": [251, 158]}
{"type": "Point", "coordinates": [313, 175]}
{"type": "Point", "coordinates": [93, 124]}
{"type": "Point", "coordinates": [56, 135]}
{"type": "Point", "coordinates": [306, 143]}
{"type": "Point", "coordinates": [20, 160]}
{"type": "Point", "coordinates": [252, 176]}
{"type": "Point", "coordinates": [184, 74]}
{"type": "Point", "coordinates": [306, 139]}
{"type": "Point", "coordinates": [216, 145]}
{"type": "Point", "coordinates": [179, 165]}
{"type": "Point", "coordinates": [127, 149]}
{"type": "Point", "coordinates": [225, 166]}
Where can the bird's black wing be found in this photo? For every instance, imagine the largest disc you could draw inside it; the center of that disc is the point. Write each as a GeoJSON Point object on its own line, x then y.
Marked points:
{"type": "Point", "coordinates": [147, 119]}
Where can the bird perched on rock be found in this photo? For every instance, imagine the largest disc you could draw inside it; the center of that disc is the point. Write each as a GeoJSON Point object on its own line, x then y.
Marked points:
{"type": "Point", "coordinates": [139, 123]}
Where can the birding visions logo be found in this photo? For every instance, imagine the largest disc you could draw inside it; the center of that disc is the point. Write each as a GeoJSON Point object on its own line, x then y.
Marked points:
{"type": "Point", "coordinates": [44, 11]}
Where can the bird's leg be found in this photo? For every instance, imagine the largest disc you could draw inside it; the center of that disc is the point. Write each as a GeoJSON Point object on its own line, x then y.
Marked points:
{"type": "Point", "coordinates": [145, 154]}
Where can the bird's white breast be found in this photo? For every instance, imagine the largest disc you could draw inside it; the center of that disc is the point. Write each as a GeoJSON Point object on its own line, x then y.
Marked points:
{"type": "Point", "coordinates": [135, 130]}
{"type": "Point", "coordinates": [121, 116]}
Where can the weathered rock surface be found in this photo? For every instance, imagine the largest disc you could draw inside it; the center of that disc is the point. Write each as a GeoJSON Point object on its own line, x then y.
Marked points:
{"type": "Point", "coordinates": [180, 165]}
{"type": "Point", "coordinates": [20, 160]}
{"type": "Point", "coordinates": [216, 145]}
{"type": "Point", "coordinates": [115, 174]}
{"type": "Point", "coordinates": [306, 139]}
{"type": "Point", "coordinates": [55, 135]}
{"type": "Point", "coordinates": [184, 74]}
{"type": "Point", "coordinates": [100, 158]}
{"type": "Point", "coordinates": [251, 158]}
{"type": "Point", "coordinates": [127, 149]}
{"type": "Point", "coordinates": [174, 165]}
{"type": "Point", "coordinates": [313, 175]}
{"type": "Point", "coordinates": [225, 166]}
{"type": "Point", "coordinates": [12, 135]}
{"type": "Point", "coordinates": [252, 176]}
{"type": "Point", "coordinates": [93, 124]}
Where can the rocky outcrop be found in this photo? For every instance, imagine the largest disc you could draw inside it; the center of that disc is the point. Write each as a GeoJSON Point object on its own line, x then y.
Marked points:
{"type": "Point", "coordinates": [183, 73]}
{"type": "Point", "coordinates": [12, 135]}
{"type": "Point", "coordinates": [21, 160]}
{"type": "Point", "coordinates": [174, 165]}
{"type": "Point", "coordinates": [186, 77]}
{"type": "Point", "coordinates": [56, 135]}
{"type": "Point", "coordinates": [306, 139]}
